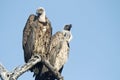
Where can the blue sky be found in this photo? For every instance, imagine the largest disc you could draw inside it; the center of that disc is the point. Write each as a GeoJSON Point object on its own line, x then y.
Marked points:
{"type": "Point", "coordinates": [95, 48]}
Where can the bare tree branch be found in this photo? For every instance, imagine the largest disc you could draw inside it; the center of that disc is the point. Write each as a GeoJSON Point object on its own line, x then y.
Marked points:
{"type": "Point", "coordinates": [5, 75]}
{"type": "Point", "coordinates": [18, 71]}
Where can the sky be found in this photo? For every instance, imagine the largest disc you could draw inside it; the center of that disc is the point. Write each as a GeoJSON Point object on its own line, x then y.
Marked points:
{"type": "Point", "coordinates": [94, 49]}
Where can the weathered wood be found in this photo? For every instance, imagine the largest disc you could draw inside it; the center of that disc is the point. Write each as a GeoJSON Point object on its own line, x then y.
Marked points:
{"type": "Point", "coordinates": [18, 71]}
{"type": "Point", "coordinates": [5, 75]}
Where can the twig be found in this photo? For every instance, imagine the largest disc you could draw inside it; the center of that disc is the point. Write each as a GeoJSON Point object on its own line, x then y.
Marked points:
{"type": "Point", "coordinates": [4, 74]}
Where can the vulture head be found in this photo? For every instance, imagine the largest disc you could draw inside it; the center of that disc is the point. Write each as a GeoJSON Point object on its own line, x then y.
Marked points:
{"type": "Point", "coordinates": [41, 14]}
{"type": "Point", "coordinates": [68, 27]}
{"type": "Point", "coordinates": [40, 11]}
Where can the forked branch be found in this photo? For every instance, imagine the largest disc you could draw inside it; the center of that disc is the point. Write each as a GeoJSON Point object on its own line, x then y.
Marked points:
{"type": "Point", "coordinates": [18, 71]}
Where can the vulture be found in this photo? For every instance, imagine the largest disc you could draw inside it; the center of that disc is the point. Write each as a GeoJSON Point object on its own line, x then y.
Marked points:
{"type": "Point", "coordinates": [36, 38]}
{"type": "Point", "coordinates": [59, 48]}
{"type": "Point", "coordinates": [58, 52]}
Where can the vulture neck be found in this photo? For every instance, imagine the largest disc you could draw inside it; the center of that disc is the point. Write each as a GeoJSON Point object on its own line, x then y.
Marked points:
{"type": "Point", "coordinates": [42, 18]}
{"type": "Point", "coordinates": [67, 34]}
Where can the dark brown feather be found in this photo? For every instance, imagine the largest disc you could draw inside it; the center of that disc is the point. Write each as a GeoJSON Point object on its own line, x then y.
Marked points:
{"type": "Point", "coordinates": [28, 38]}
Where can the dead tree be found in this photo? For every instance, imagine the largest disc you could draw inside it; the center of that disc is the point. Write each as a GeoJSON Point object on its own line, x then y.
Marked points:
{"type": "Point", "coordinates": [18, 71]}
